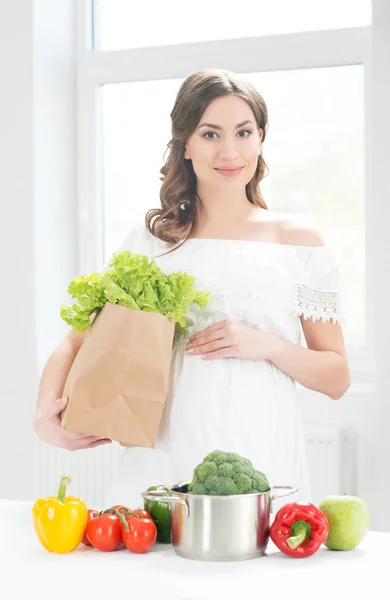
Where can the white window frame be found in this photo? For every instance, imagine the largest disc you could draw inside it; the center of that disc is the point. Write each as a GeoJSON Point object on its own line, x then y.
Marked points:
{"type": "Point", "coordinates": [338, 47]}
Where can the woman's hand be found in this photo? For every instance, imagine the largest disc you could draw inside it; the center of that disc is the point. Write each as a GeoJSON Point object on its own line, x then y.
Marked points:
{"type": "Point", "coordinates": [233, 339]}
{"type": "Point", "coordinates": [47, 425]}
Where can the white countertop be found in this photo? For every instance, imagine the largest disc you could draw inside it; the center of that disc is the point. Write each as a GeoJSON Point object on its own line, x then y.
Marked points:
{"type": "Point", "coordinates": [25, 567]}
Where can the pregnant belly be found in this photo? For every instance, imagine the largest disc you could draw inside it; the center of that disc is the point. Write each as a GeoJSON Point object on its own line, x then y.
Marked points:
{"type": "Point", "coordinates": [247, 407]}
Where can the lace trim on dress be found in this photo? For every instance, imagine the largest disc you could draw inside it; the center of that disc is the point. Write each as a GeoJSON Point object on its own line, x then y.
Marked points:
{"type": "Point", "coordinates": [317, 304]}
{"type": "Point", "coordinates": [294, 298]}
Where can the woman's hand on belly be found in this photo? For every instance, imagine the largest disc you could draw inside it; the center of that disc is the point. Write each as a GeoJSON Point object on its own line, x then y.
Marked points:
{"type": "Point", "coordinates": [232, 339]}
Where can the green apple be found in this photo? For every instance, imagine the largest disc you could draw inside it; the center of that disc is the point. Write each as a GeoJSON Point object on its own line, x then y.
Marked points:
{"type": "Point", "coordinates": [348, 518]}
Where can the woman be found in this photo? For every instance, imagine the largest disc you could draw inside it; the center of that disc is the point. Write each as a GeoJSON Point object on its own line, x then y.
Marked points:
{"type": "Point", "coordinates": [233, 381]}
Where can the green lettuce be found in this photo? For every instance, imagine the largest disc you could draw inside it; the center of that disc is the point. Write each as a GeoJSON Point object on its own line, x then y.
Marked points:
{"type": "Point", "coordinates": [137, 282]}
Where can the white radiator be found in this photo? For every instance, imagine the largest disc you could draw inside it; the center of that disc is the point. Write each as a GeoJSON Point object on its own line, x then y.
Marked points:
{"type": "Point", "coordinates": [91, 471]}
{"type": "Point", "coordinates": [331, 455]}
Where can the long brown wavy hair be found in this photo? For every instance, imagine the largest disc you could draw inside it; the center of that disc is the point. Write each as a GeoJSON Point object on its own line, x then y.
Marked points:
{"type": "Point", "coordinates": [178, 193]}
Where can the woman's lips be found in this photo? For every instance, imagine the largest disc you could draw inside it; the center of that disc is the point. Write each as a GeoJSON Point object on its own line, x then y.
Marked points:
{"type": "Point", "coordinates": [229, 172]}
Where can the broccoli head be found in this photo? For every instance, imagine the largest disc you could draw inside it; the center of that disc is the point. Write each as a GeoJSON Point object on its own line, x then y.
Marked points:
{"type": "Point", "coordinates": [227, 474]}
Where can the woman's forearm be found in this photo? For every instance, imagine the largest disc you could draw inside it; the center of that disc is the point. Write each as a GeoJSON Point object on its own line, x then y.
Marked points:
{"type": "Point", "coordinates": [55, 373]}
{"type": "Point", "coordinates": [322, 371]}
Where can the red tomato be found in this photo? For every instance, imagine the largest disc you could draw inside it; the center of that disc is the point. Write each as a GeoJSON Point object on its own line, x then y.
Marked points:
{"type": "Point", "coordinates": [92, 514]}
{"type": "Point", "coordinates": [141, 535]}
{"type": "Point", "coordinates": [121, 508]}
{"type": "Point", "coordinates": [104, 532]}
{"type": "Point", "coordinates": [127, 518]}
{"type": "Point", "coordinates": [140, 512]}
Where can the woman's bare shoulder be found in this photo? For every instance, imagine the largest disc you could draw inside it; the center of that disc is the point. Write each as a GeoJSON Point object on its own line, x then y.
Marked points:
{"type": "Point", "coordinates": [291, 232]}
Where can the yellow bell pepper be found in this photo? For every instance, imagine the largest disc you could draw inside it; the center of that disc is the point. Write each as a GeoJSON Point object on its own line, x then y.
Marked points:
{"type": "Point", "coordinates": [60, 521]}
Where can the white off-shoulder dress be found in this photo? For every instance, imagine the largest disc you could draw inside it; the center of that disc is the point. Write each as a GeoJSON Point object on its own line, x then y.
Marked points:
{"type": "Point", "coordinates": [244, 406]}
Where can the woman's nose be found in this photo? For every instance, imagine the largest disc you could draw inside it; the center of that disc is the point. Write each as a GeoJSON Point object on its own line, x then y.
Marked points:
{"type": "Point", "coordinates": [228, 151]}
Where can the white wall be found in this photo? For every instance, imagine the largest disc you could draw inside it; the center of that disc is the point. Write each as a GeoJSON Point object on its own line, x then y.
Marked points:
{"type": "Point", "coordinates": [54, 162]}
{"type": "Point", "coordinates": [37, 224]}
{"type": "Point", "coordinates": [17, 301]}
{"type": "Point", "coordinates": [377, 476]}
{"type": "Point", "coordinates": [38, 237]}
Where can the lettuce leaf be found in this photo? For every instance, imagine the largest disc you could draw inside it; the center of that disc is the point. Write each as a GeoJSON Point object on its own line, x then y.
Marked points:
{"type": "Point", "coordinates": [136, 282]}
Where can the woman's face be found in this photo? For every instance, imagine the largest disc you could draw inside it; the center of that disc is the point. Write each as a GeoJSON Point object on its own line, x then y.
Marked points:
{"type": "Point", "coordinates": [226, 138]}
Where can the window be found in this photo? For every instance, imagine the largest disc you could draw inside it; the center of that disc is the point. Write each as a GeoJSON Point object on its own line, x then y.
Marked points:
{"type": "Point", "coordinates": [314, 150]}
{"type": "Point", "coordinates": [120, 24]}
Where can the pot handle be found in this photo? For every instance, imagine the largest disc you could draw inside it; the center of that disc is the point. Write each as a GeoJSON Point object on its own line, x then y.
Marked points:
{"type": "Point", "coordinates": [162, 496]}
{"type": "Point", "coordinates": [290, 491]}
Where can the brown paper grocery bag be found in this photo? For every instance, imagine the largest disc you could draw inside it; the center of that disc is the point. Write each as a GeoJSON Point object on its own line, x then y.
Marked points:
{"type": "Point", "coordinates": [118, 382]}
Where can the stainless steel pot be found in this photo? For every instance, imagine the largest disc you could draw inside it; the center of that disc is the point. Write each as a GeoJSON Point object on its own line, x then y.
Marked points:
{"type": "Point", "coordinates": [220, 528]}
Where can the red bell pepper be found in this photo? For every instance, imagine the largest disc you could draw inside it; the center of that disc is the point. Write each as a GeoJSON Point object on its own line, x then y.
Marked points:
{"type": "Point", "coordinates": [299, 529]}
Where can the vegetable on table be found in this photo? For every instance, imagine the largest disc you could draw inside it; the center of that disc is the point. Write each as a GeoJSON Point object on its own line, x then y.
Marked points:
{"type": "Point", "coordinates": [115, 527]}
{"type": "Point", "coordinates": [299, 529]}
{"type": "Point", "coordinates": [59, 521]}
{"type": "Point", "coordinates": [136, 282]}
{"type": "Point", "coordinates": [227, 474]}
{"type": "Point", "coordinates": [92, 514]}
{"type": "Point", "coordinates": [121, 508]}
{"type": "Point", "coordinates": [104, 530]}
{"type": "Point", "coordinates": [161, 515]}
{"type": "Point", "coordinates": [139, 512]}
{"type": "Point", "coordinates": [138, 533]}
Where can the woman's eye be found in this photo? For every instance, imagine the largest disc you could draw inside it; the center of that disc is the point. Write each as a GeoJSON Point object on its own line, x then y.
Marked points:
{"type": "Point", "coordinates": [210, 133]}
{"type": "Point", "coordinates": [245, 131]}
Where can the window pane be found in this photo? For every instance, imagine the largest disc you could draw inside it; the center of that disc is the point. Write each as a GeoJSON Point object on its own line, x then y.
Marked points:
{"type": "Point", "coordinates": [314, 150]}
{"type": "Point", "coordinates": [122, 24]}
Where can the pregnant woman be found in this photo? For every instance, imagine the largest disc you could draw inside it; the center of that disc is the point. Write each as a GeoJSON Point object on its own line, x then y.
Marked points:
{"type": "Point", "coordinates": [233, 381]}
